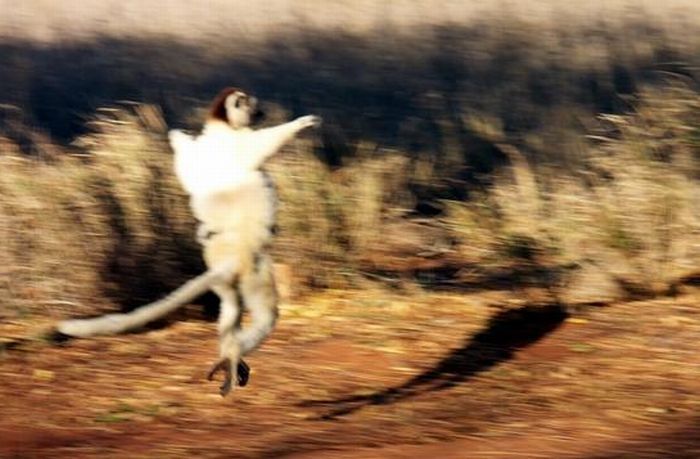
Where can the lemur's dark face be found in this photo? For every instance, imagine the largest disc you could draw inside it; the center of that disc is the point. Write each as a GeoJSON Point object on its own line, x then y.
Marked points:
{"type": "Point", "coordinates": [258, 115]}
{"type": "Point", "coordinates": [242, 110]}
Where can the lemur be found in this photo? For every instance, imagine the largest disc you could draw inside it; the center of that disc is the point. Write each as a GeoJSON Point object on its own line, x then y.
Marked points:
{"type": "Point", "coordinates": [235, 203]}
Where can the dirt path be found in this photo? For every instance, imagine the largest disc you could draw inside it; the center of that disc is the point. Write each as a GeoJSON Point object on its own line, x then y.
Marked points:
{"type": "Point", "coordinates": [374, 376]}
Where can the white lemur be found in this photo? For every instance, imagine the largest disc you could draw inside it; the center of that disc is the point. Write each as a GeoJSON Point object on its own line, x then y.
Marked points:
{"type": "Point", "coordinates": [235, 204]}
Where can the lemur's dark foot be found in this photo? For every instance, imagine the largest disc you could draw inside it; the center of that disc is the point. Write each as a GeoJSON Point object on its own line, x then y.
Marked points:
{"type": "Point", "coordinates": [225, 366]}
{"type": "Point", "coordinates": [242, 374]}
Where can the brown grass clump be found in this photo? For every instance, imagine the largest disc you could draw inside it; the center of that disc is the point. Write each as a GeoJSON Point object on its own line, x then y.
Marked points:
{"type": "Point", "coordinates": [624, 224]}
{"type": "Point", "coordinates": [91, 229]}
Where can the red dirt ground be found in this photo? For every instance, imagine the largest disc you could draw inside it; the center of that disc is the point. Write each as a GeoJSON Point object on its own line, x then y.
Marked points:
{"type": "Point", "coordinates": [373, 375]}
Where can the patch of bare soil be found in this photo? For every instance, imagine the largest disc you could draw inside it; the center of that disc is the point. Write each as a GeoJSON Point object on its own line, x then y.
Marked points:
{"type": "Point", "coordinates": [373, 375]}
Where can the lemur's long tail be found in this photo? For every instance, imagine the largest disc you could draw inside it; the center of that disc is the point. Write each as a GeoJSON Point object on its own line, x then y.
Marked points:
{"type": "Point", "coordinates": [117, 323]}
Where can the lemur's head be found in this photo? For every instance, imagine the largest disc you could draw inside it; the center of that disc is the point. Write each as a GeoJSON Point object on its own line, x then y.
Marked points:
{"type": "Point", "coordinates": [235, 107]}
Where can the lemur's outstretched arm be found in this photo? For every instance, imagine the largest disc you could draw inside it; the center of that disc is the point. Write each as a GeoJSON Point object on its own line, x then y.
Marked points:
{"type": "Point", "coordinates": [263, 143]}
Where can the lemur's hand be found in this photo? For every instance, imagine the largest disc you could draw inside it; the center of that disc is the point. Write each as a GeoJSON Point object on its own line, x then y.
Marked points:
{"type": "Point", "coordinates": [309, 121]}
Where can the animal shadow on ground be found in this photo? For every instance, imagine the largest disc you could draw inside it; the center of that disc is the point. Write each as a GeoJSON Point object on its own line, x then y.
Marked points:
{"type": "Point", "coordinates": [505, 334]}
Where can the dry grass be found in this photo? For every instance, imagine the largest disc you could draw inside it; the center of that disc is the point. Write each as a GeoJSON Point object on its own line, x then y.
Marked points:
{"type": "Point", "coordinates": [113, 226]}
{"type": "Point", "coordinates": [84, 19]}
{"type": "Point", "coordinates": [471, 155]}
{"type": "Point", "coordinates": [87, 231]}
{"type": "Point", "coordinates": [625, 223]}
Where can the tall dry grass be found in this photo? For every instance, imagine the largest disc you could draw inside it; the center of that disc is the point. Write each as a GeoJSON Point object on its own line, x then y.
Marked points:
{"type": "Point", "coordinates": [112, 226]}
{"type": "Point", "coordinates": [91, 230]}
{"type": "Point", "coordinates": [494, 154]}
{"type": "Point", "coordinates": [624, 223]}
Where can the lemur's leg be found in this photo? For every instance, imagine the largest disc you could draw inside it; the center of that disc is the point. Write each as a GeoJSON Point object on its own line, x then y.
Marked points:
{"type": "Point", "coordinates": [229, 349]}
{"type": "Point", "coordinates": [259, 295]}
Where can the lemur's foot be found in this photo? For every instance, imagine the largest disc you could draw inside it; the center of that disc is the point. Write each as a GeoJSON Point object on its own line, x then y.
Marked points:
{"type": "Point", "coordinates": [243, 373]}
{"type": "Point", "coordinates": [224, 365]}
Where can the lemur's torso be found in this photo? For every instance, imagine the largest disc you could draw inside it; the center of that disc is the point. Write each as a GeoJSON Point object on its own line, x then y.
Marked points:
{"type": "Point", "coordinates": [233, 199]}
